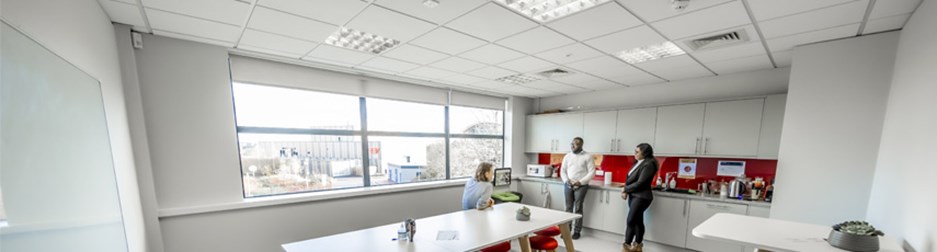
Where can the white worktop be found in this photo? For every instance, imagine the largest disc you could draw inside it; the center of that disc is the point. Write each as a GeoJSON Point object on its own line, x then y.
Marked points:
{"type": "Point", "coordinates": [617, 186]}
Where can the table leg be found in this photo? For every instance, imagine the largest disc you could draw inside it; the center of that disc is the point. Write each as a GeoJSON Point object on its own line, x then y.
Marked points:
{"type": "Point", "coordinates": [567, 237]}
{"type": "Point", "coordinates": [525, 243]}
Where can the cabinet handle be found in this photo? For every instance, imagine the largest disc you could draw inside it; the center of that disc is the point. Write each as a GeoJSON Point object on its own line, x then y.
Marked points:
{"type": "Point", "coordinates": [612, 146]}
{"type": "Point", "coordinates": [618, 144]}
{"type": "Point", "coordinates": [705, 143]}
{"type": "Point", "coordinates": [684, 207]}
{"type": "Point", "coordinates": [696, 149]}
{"type": "Point", "coordinates": [606, 197]}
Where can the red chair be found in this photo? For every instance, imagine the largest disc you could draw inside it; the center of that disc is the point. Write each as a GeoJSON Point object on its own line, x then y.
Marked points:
{"type": "Point", "coordinates": [543, 243]}
{"type": "Point", "coordinates": [550, 231]}
{"type": "Point", "coordinates": [500, 247]}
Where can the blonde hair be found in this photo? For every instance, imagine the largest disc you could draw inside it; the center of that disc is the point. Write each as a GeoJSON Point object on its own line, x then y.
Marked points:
{"type": "Point", "coordinates": [483, 168]}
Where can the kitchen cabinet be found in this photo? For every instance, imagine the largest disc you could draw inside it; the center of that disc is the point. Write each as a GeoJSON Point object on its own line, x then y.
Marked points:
{"type": "Point", "coordinates": [666, 221]}
{"type": "Point", "coordinates": [701, 211]}
{"type": "Point", "coordinates": [598, 131]}
{"type": "Point", "coordinates": [771, 123]}
{"type": "Point", "coordinates": [553, 133]}
{"type": "Point", "coordinates": [604, 210]}
{"type": "Point", "coordinates": [757, 211]}
{"type": "Point", "coordinates": [533, 192]}
{"type": "Point", "coordinates": [679, 129]}
{"type": "Point", "coordinates": [594, 207]}
{"type": "Point", "coordinates": [616, 212]}
{"type": "Point", "coordinates": [732, 128]}
{"type": "Point", "coordinates": [557, 196]}
{"type": "Point", "coordinates": [635, 126]}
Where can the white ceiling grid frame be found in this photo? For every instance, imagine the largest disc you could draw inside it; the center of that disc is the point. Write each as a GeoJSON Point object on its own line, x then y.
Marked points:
{"type": "Point", "coordinates": [457, 64]}
{"type": "Point", "coordinates": [388, 65]}
{"type": "Point", "coordinates": [759, 32]}
{"type": "Point", "coordinates": [788, 42]}
{"type": "Point", "coordinates": [832, 16]}
{"type": "Point", "coordinates": [596, 21]}
{"type": "Point", "coordinates": [570, 53]}
{"type": "Point", "coordinates": [448, 41]}
{"type": "Point", "coordinates": [890, 8]}
{"type": "Point", "coordinates": [676, 68]}
{"type": "Point", "coordinates": [526, 64]}
{"type": "Point", "coordinates": [587, 81]}
{"type": "Point", "coordinates": [747, 49]}
{"type": "Point", "coordinates": [414, 54]}
{"type": "Point", "coordinates": [536, 40]}
{"type": "Point", "coordinates": [224, 11]}
{"type": "Point", "coordinates": [742, 64]}
{"type": "Point", "coordinates": [718, 17]}
{"type": "Point", "coordinates": [463, 79]}
{"type": "Point", "coordinates": [886, 23]}
{"type": "Point", "coordinates": [771, 9]}
{"type": "Point", "coordinates": [492, 54]}
{"type": "Point", "coordinates": [491, 22]}
{"type": "Point", "coordinates": [655, 10]}
{"type": "Point", "coordinates": [182, 24]}
{"type": "Point", "coordinates": [491, 72]}
{"type": "Point", "coordinates": [337, 12]}
{"type": "Point", "coordinates": [295, 48]}
{"type": "Point", "coordinates": [430, 73]}
{"type": "Point", "coordinates": [390, 24]}
{"type": "Point", "coordinates": [554, 86]}
{"type": "Point", "coordinates": [290, 25]}
{"type": "Point", "coordinates": [188, 37]}
{"type": "Point", "coordinates": [122, 12]}
{"type": "Point", "coordinates": [438, 15]}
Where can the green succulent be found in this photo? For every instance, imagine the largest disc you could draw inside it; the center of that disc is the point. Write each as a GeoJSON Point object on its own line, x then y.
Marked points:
{"type": "Point", "coordinates": [857, 228]}
{"type": "Point", "coordinates": [524, 211]}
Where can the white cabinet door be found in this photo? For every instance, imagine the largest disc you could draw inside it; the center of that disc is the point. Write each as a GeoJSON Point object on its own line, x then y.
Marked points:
{"type": "Point", "coordinates": [679, 129]}
{"type": "Point", "coordinates": [666, 221]}
{"type": "Point", "coordinates": [593, 209]}
{"type": "Point", "coordinates": [732, 127]}
{"type": "Point", "coordinates": [771, 123]}
{"type": "Point", "coordinates": [635, 126]}
{"type": "Point", "coordinates": [557, 196]}
{"type": "Point", "coordinates": [565, 128]}
{"type": "Point", "coordinates": [701, 211]}
{"type": "Point", "coordinates": [598, 131]}
{"type": "Point", "coordinates": [533, 192]}
{"type": "Point", "coordinates": [539, 135]}
{"type": "Point", "coordinates": [616, 213]}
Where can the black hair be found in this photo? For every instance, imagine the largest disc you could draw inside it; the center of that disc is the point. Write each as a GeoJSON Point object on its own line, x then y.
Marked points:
{"type": "Point", "coordinates": [646, 150]}
{"type": "Point", "coordinates": [579, 138]}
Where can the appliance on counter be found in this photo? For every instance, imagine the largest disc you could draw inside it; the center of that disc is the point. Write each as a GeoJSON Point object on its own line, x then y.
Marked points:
{"type": "Point", "coordinates": [540, 170]}
{"type": "Point", "coordinates": [738, 187]}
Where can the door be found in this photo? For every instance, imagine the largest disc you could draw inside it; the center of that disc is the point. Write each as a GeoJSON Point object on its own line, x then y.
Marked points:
{"type": "Point", "coordinates": [598, 131]}
{"type": "Point", "coordinates": [635, 126]}
{"type": "Point", "coordinates": [593, 211]}
{"type": "Point", "coordinates": [616, 212]}
{"type": "Point", "coordinates": [771, 122]}
{"type": "Point", "coordinates": [679, 129]}
{"type": "Point", "coordinates": [539, 138]}
{"type": "Point", "coordinates": [557, 197]}
{"type": "Point", "coordinates": [566, 127]}
{"type": "Point", "coordinates": [732, 127]}
{"type": "Point", "coordinates": [666, 221]}
{"type": "Point", "coordinates": [701, 211]}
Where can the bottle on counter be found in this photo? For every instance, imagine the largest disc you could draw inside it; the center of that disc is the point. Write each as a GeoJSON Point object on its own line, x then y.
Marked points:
{"type": "Point", "coordinates": [673, 183]}
{"type": "Point", "coordinates": [660, 182]}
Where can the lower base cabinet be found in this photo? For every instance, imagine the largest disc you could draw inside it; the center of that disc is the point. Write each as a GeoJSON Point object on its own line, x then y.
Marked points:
{"type": "Point", "coordinates": [666, 221]}
{"type": "Point", "coordinates": [701, 211]}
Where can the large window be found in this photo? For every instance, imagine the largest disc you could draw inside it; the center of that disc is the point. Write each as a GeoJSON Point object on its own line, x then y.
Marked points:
{"type": "Point", "coordinates": [294, 140]}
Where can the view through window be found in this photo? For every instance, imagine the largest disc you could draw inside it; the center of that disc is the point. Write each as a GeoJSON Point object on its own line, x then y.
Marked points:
{"type": "Point", "coordinates": [294, 140]}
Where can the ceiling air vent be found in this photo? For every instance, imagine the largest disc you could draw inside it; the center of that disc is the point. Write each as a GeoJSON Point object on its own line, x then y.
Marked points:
{"type": "Point", "coordinates": [553, 73]}
{"type": "Point", "coordinates": [718, 40]}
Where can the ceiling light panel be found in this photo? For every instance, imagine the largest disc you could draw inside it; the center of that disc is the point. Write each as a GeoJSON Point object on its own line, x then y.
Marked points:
{"type": "Point", "coordinates": [651, 52]}
{"type": "Point", "coordinates": [361, 41]}
{"type": "Point", "coordinates": [546, 10]}
{"type": "Point", "coordinates": [518, 79]}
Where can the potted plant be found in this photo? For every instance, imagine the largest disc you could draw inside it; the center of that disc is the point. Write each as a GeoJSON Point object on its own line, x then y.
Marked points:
{"type": "Point", "coordinates": [855, 236]}
{"type": "Point", "coordinates": [523, 214]}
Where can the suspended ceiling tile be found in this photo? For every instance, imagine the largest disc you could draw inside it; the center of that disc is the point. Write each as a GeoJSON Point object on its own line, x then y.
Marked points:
{"type": "Point", "coordinates": [491, 22]}
{"type": "Point", "coordinates": [269, 51]}
{"type": "Point", "coordinates": [783, 58]}
{"type": "Point", "coordinates": [442, 13]}
{"type": "Point", "coordinates": [636, 79]}
{"type": "Point", "coordinates": [536, 40]}
{"type": "Point", "coordinates": [815, 20]}
{"type": "Point", "coordinates": [627, 39]}
{"type": "Point", "coordinates": [555, 87]}
{"type": "Point", "coordinates": [594, 22]}
{"type": "Point", "coordinates": [886, 23]}
{"type": "Point", "coordinates": [652, 11]}
{"type": "Point", "coordinates": [337, 54]}
{"type": "Point", "coordinates": [719, 17]}
{"type": "Point", "coordinates": [491, 54]}
{"type": "Point", "coordinates": [290, 25]}
{"type": "Point", "coordinates": [731, 52]}
{"type": "Point", "coordinates": [379, 21]}
{"type": "Point", "coordinates": [769, 9]}
{"type": "Point", "coordinates": [463, 79]}
{"type": "Point", "coordinates": [123, 13]}
{"type": "Point", "coordinates": [888, 8]}
{"type": "Point", "coordinates": [448, 41]}
{"type": "Point", "coordinates": [457, 64]}
{"type": "Point", "coordinates": [737, 65]}
{"type": "Point", "coordinates": [526, 64]}
{"type": "Point", "coordinates": [491, 72]}
{"type": "Point", "coordinates": [225, 11]}
{"type": "Point", "coordinates": [430, 73]}
{"type": "Point", "coordinates": [193, 38]}
{"type": "Point", "coordinates": [604, 66]}
{"type": "Point", "coordinates": [275, 42]}
{"type": "Point", "coordinates": [789, 42]}
{"type": "Point", "coordinates": [335, 12]}
{"type": "Point", "coordinates": [192, 26]}
{"type": "Point", "coordinates": [587, 81]}
{"type": "Point", "coordinates": [414, 54]}
{"type": "Point", "coordinates": [675, 68]}
{"type": "Point", "coordinates": [570, 53]}
{"type": "Point", "coordinates": [389, 65]}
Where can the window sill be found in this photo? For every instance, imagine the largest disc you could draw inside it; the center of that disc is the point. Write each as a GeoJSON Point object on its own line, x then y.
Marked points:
{"type": "Point", "coordinates": [308, 197]}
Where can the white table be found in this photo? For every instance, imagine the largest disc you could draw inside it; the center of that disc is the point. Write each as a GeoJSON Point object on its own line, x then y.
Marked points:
{"type": "Point", "coordinates": [477, 230]}
{"type": "Point", "coordinates": [774, 235]}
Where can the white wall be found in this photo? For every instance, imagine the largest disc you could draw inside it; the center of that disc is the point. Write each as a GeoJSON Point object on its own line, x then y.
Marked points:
{"type": "Point", "coordinates": [518, 109]}
{"type": "Point", "coordinates": [80, 32]}
{"type": "Point", "coordinates": [763, 82]}
{"type": "Point", "coordinates": [902, 202]}
{"type": "Point", "coordinates": [832, 127]}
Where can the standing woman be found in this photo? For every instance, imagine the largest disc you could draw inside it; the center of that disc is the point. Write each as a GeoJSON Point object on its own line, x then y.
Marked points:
{"type": "Point", "coordinates": [638, 193]}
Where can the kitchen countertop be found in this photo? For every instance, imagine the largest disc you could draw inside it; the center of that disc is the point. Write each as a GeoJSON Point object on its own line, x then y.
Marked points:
{"type": "Point", "coordinates": [617, 187]}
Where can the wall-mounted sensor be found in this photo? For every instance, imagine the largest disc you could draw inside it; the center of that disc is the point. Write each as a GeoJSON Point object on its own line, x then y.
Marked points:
{"type": "Point", "coordinates": [137, 39]}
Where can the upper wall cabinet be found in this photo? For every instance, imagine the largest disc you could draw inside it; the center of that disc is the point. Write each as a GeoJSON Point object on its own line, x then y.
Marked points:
{"type": "Point", "coordinates": [679, 129]}
{"type": "Point", "coordinates": [553, 133]}
{"type": "Point", "coordinates": [732, 128]}
{"type": "Point", "coordinates": [771, 124]}
{"type": "Point", "coordinates": [599, 131]}
{"type": "Point", "coordinates": [635, 126]}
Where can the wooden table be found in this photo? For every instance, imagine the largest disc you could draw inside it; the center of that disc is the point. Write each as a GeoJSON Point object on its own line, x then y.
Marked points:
{"type": "Point", "coordinates": [775, 235]}
{"type": "Point", "coordinates": [477, 230]}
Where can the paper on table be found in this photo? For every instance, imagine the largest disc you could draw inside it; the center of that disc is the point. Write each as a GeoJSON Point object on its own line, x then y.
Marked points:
{"type": "Point", "coordinates": [447, 235]}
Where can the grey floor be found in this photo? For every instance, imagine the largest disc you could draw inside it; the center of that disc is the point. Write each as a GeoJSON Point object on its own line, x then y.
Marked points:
{"type": "Point", "coordinates": [595, 241]}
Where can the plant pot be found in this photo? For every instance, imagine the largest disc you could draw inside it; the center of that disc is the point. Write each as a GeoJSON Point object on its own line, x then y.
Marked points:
{"type": "Point", "coordinates": [522, 217]}
{"type": "Point", "coordinates": [851, 242]}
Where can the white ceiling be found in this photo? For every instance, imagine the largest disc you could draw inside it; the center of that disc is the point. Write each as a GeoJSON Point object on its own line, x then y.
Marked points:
{"type": "Point", "coordinates": [470, 43]}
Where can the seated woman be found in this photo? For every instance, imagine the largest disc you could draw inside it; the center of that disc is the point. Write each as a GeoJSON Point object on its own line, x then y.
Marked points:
{"type": "Point", "coordinates": [477, 194]}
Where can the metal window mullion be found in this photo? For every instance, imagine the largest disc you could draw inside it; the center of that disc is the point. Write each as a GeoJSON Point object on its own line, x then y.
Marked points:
{"type": "Point", "coordinates": [448, 160]}
{"type": "Point", "coordinates": [477, 136]}
{"type": "Point", "coordinates": [365, 153]}
{"type": "Point", "coordinates": [296, 131]}
{"type": "Point", "coordinates": [405, 134]}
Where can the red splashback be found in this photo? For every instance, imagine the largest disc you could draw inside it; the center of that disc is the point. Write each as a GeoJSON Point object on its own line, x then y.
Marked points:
{"type": "Point", "coordinates": [705, 168]}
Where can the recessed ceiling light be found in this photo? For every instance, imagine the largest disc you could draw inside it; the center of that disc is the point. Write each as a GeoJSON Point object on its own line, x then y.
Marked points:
{"type": "Point", "coordinates": [651, 52]}
{"type": "Point", "coordinates": [361, 41]}
{"type": "Point", "coordinates": [546, 10]}
{"type": "Point", "coordinates": [431, 3]}
{"type": "Point", "coordinates": [518, 79]}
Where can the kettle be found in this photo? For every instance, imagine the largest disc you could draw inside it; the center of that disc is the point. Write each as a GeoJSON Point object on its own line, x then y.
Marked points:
{"type": "Point", "coordinates": [736, 188]}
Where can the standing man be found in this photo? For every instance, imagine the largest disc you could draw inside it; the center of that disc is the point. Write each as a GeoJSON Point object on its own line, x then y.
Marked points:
{"type": "Point", "coordinates": [577, 170]}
